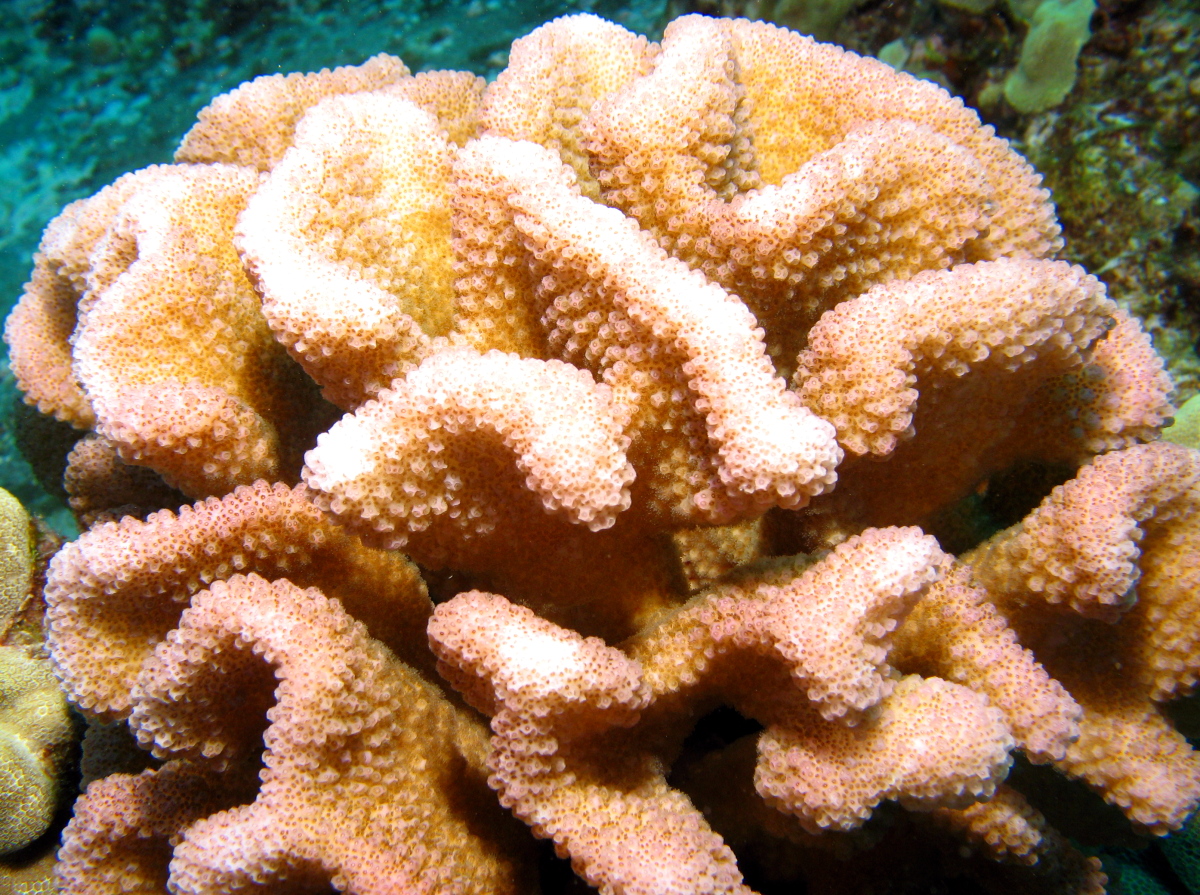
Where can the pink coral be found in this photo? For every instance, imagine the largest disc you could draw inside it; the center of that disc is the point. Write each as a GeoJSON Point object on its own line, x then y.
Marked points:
{"type": "Point", "coordinates": [117, 591]}
{"type": "Point", "coordinates": [569, 760]}
{"type": "Point", "coordinates": [349, 792]}
{"type": "Point", "coordinates": [1116, 545]}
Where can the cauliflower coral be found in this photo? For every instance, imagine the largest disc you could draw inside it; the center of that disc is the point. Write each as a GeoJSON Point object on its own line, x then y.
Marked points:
{"type": "Point", "coordinates": [670, 376]}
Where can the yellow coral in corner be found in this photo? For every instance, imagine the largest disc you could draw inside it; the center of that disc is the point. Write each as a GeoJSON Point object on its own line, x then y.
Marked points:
{"type": "Point", "coordinates": [35, 731]}
{"type": "Point", "coordinates": [16, 558]}
{"type": "Point", "coordinates": [35, 725]}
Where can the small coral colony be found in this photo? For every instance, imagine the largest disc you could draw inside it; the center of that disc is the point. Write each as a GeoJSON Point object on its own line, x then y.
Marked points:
{"type": "Point", "coordinates": [583, 456]}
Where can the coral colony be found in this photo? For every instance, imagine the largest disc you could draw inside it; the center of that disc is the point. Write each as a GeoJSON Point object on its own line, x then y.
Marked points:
{"type": "Point", "coordinates": [658, 368]}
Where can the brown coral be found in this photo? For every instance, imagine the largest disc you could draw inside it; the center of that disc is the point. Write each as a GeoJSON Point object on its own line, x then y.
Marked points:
{"type": "Point", "coordinates": [36, 736]}
{"type": "Point", "coordinates": [36, 731]}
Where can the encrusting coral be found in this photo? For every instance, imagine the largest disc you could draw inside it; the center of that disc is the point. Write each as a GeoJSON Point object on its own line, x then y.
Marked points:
{"type": "Point", "coordinates": [662, 364]}
{"type": "Point", "coordinates": [35, 739]}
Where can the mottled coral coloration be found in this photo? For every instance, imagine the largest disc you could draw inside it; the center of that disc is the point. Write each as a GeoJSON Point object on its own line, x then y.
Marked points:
{"type": "Point", "coordinates": [661, 365]}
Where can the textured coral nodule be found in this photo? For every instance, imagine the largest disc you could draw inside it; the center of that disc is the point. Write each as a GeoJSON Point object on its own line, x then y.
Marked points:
{"type": "Point", "coordinates": [36, 733]}
{"type": "Point", "coordinates": [670, 376]}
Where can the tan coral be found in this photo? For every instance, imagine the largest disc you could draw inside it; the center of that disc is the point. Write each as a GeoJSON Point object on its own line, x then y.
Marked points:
{"type": "Point", "coordinates": [1081, 547]}
{"type": "Point", "coordinates": [115, 593]}
{"type": "Point", "coordinates": [355, 217]}
{"type": "Point", "coordinates": [511, 468]}
{"type": "Point", "coordinates": [101, 487]}
{"type": "Point", "coordinates": [1170, 578]}
{"type": "Point", "coordinates": [1006, 826]}
{"type": "Point", "coordinates": [725, 438]}
{"type": "Point", "coordinates": [39, 329]}
{"type": "Point", "coordinates": [560, 427]}
{"type": "Point", "coordinates": [709, 553]}
{"type": "Point", "coordinates": [955, 375]}
{"type": "Point", "coordinates": [830, 628]}
{"type": "Point", "coordinates": [1009, 830]}
{"type": "Point", "coordinates": [254, 124]}
{"type": "Point", "coordinates": [173, 350]}
{"type": "Point", "coordinates": [955, 633]}
{"type": "Point", "coordinates": [734, 105]}
{"type": "Point", "coordinates": [830, 625]}
{"type": "Point", "coordinates": [609, 808]}
{"type": "Point", "coordinates": [1017, 321]}
{"type": "Point", "coordinates": [1121, 398]}
{"type": "Point", "coordinates": [789, 82]}
{"type": "Point", "coordinates": [929, 743]}
{"type": "Point", "coordinates": [1129, 752]}
{"type": "Point", "coordinates": [553, 78]}
{"type": "Point", "coordinates": [577, 297]}
{"type": "Point", "coordinates": [38, 333]}
{"type": "Point", "coordinates": [119, 838]}
{"type": "Point", "coordinates": [452, 97]}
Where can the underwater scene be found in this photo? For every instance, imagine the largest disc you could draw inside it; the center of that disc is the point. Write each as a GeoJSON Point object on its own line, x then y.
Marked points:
{"type": "Point", "coordinates": [648, 448]}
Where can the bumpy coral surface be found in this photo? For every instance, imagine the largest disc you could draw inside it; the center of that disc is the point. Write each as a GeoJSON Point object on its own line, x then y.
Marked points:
{"type": "Point", "coordinates": [672, 376]}
{"type": "Point", "coordinates": [366, 773]}
{"type": "Point", "coordinates": [36, 733]}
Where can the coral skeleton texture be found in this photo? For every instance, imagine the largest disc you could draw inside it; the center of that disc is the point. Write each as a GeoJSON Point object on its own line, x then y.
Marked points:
{"type": "Point", "coordinates": [671, 377]}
